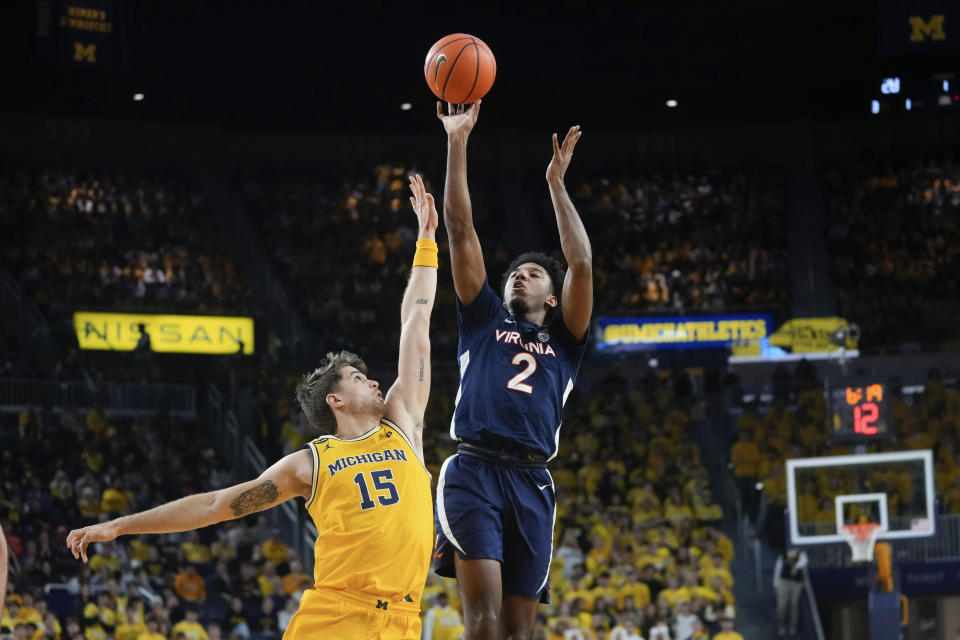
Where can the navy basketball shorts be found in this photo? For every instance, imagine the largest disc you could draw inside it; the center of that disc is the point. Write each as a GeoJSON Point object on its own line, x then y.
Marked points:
{"type": "Point", "coordinates": [503, 513]}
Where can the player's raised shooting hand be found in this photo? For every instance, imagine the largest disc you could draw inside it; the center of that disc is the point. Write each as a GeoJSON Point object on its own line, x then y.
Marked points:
{"type": "Point", "coordinates": [78, 539]}
{"type": "Point", "coordinates": [424, 206]}
{"type": "Point", "coordinates": [459, 119]}
{"type": "Point", "coordinates": [562, 154]}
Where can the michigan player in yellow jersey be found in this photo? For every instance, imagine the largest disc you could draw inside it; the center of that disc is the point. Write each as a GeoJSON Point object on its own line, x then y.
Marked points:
{"type": "Point", "coordinates": [365, 484]}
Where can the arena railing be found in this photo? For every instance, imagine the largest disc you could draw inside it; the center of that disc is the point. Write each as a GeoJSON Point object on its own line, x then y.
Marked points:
{"type": "Point", "coordinates": [122, 399]}
{"type": "Point", "coordinates": [945, 545]}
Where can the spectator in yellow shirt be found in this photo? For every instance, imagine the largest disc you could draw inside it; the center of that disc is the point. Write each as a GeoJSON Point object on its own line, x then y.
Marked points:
{"type": "Point", "coordinates": [705, 509]}
{"type": "Point", "coordinates": [106, 556]}
{"type": "Point", "coordinates": [744, 454]}
{"type": "Point", "coordinates": [578, 592]}
{"type": "Point", "coordinates": [274, 549]}
{"type": "Point", "coordinates": [132, 628]}
{"type": "Point", "coordinates": [96, 421]}
{"type": "Point", "coordinates": [676, 510]}
{"type": "Point", "coordinates": [139, 549]}
{"type": "Point", "coordinates": [100, 618]}
{"type": "Point", "coordinates": [648, 513]}
{"type": "Point", "coordinates": [223, 549]}
{"type": "Point", "coordinates": [726, 631]}
{"type": "Point", "coordinates": [51, 627]}
{"type": "Point", "coordinates": [638, 591]}
{"type": "Point", "coordinates": [674, 591]}
{"type": "Point", "coordinates": [718, 569]}
{"type": "Point", "coordinates": [28, 612]}
{"type": "Point", "coordinates": [442, 622]}
{"type": "Point", "coordinates": [9, 616]}
{"type": "Point", "coordinates": [268, 581]}
{"type": "Point", "coordinates": [602, 589]}
{"type": "Point", "coordinates": [190, 628]}
{"type": "Point", "coordinates": [194, 550]}
{"type": "Point", "coordinates": [598, 558]}
{"type": "Point", "coordinates": [115, 499]}
{"type": "Point", "coordinates": [153, 630]}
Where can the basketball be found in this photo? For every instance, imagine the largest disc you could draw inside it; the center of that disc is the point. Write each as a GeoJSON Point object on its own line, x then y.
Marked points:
{"type": "Point", "coordinates": [460, 68]}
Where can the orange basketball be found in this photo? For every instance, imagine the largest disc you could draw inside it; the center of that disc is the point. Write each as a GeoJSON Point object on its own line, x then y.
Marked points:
{"type": "Point", "coordinates": [460, 68]}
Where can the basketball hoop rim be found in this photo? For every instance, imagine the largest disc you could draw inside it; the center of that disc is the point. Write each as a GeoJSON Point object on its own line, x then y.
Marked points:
{"type": "Point", "coordinates": [862, 537]}
{"type": "Point", "coordinates": [862, 530]}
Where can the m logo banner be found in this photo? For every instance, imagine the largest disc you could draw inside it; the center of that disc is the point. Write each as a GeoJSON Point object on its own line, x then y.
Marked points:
{"type": "Point", "coordinates": [84, 52]}
{"type": "Point", "coordinates": [167, 333]}
{"type": "Point", "coordinates": [918, 26]}
{"type": "Point", "coordinates": [921, 29]}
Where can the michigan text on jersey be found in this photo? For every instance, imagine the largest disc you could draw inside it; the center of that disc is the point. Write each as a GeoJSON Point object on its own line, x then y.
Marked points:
{"type": "Point", "coordinates": [367, 458]}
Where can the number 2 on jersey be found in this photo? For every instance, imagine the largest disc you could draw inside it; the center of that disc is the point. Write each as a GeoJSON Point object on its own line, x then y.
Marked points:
{"type": "Point", "coordinates": [517, 382]}
{"type": "Point", "coordinates": [380, 483]}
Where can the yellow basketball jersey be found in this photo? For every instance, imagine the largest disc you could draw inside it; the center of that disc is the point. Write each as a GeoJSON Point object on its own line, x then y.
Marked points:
{"type": "Point", "coordinates": [373, 510]}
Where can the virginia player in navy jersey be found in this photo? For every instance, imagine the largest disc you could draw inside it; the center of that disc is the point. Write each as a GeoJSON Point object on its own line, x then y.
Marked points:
{"type": "Point", "coordinates": [519, 358]}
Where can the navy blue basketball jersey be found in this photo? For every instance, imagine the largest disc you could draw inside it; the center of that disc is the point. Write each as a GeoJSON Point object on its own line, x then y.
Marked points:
{"type": "Point", "coordinates": [515, 376]}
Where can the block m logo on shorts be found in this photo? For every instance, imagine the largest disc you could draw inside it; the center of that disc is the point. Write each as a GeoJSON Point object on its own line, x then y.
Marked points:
{"type": "Point", "coordinates": [382, 604]}
{"type": "Point", "coordinates": [932, 29]}
{"type": "Point", "coordinates": [84, 52]}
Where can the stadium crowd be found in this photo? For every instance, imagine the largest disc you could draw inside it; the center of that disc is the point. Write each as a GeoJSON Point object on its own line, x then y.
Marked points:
{"type": "Point", "coordinates": [639, 549]}
{"type": "Point", "coordinates": [895, 229]}
{"type": "Point", "coordinates": [687, 242]}
{"type": "Point", "coordinates": [675, 243]}
{"type": "Point", "coordinates": [61, 471]}
{"type": "Point", "coordinates": [77, 238]}
{"type": "Point", "coordinates": [344, 251]}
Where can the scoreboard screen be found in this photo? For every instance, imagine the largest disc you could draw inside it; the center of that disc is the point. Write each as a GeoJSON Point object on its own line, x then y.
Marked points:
{"type": "Point", "coordinates": [859, 412]}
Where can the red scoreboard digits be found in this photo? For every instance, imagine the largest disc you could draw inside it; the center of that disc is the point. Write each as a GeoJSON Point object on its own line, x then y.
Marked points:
{"type": "Point", "coordinates": [859, 412]}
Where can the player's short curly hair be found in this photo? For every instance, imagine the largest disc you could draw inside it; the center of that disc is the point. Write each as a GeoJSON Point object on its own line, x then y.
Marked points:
{"type": "Point", "coordinates": [325, 379]}
{"type": "Point", "coordinates": [551, 265]}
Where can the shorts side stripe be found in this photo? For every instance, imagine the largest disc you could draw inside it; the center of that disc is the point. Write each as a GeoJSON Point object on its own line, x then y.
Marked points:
{"type": "Point", "coordinates": [550, 561]}
{"type": "Point", "coordinates": [441, 510]}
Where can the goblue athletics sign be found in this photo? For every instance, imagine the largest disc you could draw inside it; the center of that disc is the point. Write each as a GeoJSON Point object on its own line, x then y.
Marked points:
{"type": "Point", "coordinates": [680, 332]}
{"type": "Point", "coordinates": [168, 333]}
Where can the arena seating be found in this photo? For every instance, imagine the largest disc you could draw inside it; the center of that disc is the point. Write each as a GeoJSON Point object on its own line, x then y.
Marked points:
{"type": "Point", "coordinates": [344, 252]}
{"type": "Point", "coordinates": [77, 238]}
{"type": "Point", "coordinates": [895, 244]}
{"type": "Point", "coordinates": [687, 242]}
{"type": "Point", "coordinates": [239, 578]}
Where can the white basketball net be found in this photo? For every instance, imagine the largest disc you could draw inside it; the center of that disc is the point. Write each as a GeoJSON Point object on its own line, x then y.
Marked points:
{"type": "Point", "coordinates": [862, 538]}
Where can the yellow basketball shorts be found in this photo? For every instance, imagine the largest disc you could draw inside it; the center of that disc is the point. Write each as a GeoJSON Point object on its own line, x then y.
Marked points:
{"type": "Point", "coordinates": [351, 616]}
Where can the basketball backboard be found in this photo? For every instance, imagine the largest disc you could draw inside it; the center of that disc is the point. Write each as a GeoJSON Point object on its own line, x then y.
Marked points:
{"type": "Point", "coordinates": [894, 490]}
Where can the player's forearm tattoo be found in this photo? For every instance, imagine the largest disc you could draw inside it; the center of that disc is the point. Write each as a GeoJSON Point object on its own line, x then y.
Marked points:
{"type": "Point", "coordinates": [255, 499]}
{"type": "Point", "coordinates": [421, 369]}
{"type": "Point", "coordinates": [422, 301]}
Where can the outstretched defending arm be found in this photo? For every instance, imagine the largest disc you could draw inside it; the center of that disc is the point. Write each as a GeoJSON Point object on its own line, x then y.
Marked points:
{"type": "Point", "coordinates": [289, 478]}
{"type": "Point", "coordinates": [407, 399]}
{"type": "Point", "coordinates": [577, 298]}
{"type": "Point", "coordinates": [466, 257]}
